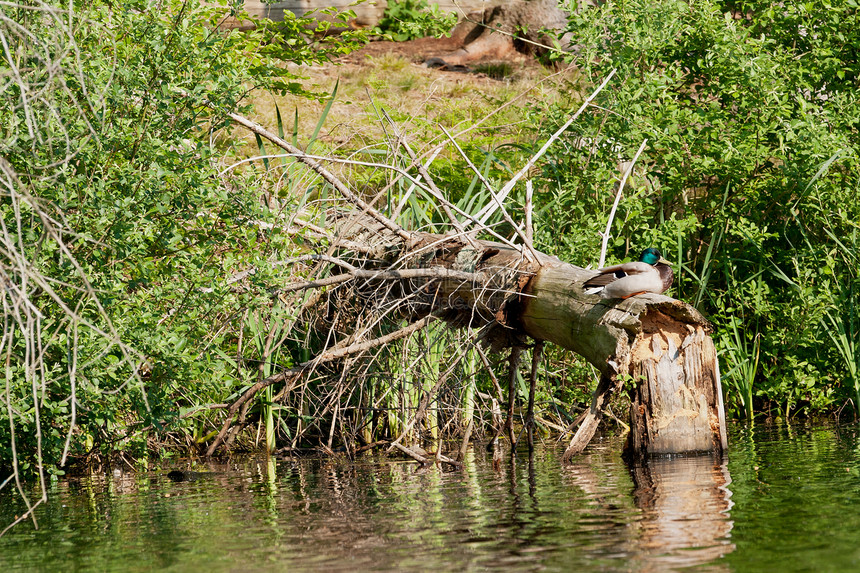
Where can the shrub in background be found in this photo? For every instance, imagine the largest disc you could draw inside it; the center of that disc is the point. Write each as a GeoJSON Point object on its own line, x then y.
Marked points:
{"type": "Point", "coordinates": [410, 19]}
{"type": "Point", "coordinates": [748, 183]}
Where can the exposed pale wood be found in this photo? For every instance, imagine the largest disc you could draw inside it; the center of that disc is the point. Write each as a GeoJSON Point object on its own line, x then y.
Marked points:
{"type": "Point", "coordinates": [676, 403]}
{"type": "Point", "coordinates": [659, 347]}
{"type": "Point", "coordinates": [591, 418]}
{"type": "Point", "coordinates": [464, 444]}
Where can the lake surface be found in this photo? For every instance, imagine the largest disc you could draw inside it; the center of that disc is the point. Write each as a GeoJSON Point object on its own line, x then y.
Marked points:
{"type": "Point", "coordinates": [786, 498]}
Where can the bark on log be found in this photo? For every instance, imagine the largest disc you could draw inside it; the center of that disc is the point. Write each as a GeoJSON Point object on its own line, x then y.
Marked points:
{"type": "Point", "coordinates": [656, 346]}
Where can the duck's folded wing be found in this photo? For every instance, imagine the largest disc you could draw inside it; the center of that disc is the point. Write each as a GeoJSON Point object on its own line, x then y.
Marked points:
{"type": "Point", "coordinates": [602, 279]}
{"type": "Point", "coordinates": [633, 268]}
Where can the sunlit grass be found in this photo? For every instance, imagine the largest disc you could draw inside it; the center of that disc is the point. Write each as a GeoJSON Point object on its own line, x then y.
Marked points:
{"type": "Point", "coordinates": [417, 98]}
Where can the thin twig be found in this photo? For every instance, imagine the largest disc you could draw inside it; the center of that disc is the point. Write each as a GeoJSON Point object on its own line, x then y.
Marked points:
{"type": "Point", "coordinates": [413, 186]}
{"type": "Point", "coordinates": [488, 211]}
{"type": "Point", "coordinates": [427, 397]}
{"type": "Point", "coordinates": [529, 208]}
{"type": "Point", "coordinates": [629, 170]}
{"type": "Point", "coordinates": [430, 182]}
{"type": "Point", "coordinates": [405, 274]}
{"type": "Point", "coordinates": [489, 187]}
{"type": "Point", "coordinates": [330, 177]}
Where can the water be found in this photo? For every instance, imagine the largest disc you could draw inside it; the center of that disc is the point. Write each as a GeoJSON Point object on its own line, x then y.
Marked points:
{"type": "Point", "coordinates": [788, 499]}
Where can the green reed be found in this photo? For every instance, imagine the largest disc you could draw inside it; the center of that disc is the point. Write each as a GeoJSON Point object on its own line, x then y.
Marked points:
{"type": "Point", "coordinates": [841, 321]}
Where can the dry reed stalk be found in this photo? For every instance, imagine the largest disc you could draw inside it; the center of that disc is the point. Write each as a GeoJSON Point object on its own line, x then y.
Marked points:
{"type": "Point", "coordinates": [384, 285]}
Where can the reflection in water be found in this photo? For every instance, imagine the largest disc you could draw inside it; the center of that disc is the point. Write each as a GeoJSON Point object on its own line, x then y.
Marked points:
{"type": "Point", "coordinates": [685, 507]}
{"type": "Point", "coordinates": [796, 495]}
{"type": "Point", "coordinates": [379, 514]}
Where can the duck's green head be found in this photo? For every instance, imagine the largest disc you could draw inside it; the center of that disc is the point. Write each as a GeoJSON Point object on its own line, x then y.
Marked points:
{"type": "Point", "coordinates": [653, 256]}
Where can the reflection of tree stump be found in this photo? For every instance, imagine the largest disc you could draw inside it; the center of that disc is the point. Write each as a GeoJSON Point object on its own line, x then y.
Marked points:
{"type": "Point", "coordinates": [507, 31]}
{"type": "Point", "coordinates": [685, 504]}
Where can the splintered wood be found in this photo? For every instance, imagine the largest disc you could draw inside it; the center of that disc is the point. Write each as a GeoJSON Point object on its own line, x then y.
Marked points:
{"type": "Point", "coordinates": [676, 399]}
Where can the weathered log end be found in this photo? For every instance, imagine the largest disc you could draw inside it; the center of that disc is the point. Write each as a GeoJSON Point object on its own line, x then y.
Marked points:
{"type": "Point", "coordinates": [675, 394]}
{"type": "Point", "coordinates": [657, 348]}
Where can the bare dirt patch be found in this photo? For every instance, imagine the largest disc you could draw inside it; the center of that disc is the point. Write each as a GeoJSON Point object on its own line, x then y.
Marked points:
{"type": "Point", "coordinates": [416, 51]}
{"type": "Point", "coordinates": [391, 76]}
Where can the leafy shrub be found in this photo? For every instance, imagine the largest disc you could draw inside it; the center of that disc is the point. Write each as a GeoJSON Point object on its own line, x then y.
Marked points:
{"type": "Point", "coordinates": [409, 19]}
{"type": "Point", "coordinates": [121, 233]}
{"type": "Point", "coordinates": [750, 111]}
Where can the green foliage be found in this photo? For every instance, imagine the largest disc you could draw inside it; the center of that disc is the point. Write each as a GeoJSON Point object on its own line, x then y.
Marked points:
{"type": "Point", "coordinates": [841, 320]}
{"type": "Point", "coordinates": [130, 234]}
{"type": "Point", "coordinates": [410, 19]}
{"type": "Point", "coordinates": [748, 180]}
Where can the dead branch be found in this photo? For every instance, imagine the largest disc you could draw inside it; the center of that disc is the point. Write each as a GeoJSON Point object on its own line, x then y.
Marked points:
{"type": "Point", "coordinates": [513, 369]}
{"type": "Point", "coordinates": [485, 214]}
{"type": "Point", "coordinates": [405, 274]}
{"type": "Point", "coordinates": [293, 374]}
{"type": "Point", "coordinates": [430, 182]}
{"type": "Point", "coordinates": [329, 177]}
{"type": "Point", "coordinates": [591, 419]}
{"type": "Point", "coordinates": [537, 354]}
{"type": "Point", "coordinates": [412, 454]}
{"type": "Point", "coordinates": [428, 396]}
{"type": "Point", "coordinates": [499, 205]}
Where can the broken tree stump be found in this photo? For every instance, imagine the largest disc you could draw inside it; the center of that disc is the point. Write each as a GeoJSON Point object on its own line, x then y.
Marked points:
{"type": "Point", "coordinates": [659, 347]}
{"type": "Point", "coordinates": [505, 31]}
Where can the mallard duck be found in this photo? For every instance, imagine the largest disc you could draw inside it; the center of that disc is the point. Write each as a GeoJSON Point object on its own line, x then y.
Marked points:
{"type": "Point", "coordinates": [651, 273]}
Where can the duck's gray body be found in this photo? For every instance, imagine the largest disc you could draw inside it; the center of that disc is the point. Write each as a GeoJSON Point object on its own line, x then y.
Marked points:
{"type": "Point", "coordinates": [628, 279]}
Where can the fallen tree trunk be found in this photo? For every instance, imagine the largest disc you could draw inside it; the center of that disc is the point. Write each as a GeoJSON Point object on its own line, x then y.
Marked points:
{"type": "Point", "coordinates": [656, 346]}
{"type": "Point", "coordinates": [659, 346]}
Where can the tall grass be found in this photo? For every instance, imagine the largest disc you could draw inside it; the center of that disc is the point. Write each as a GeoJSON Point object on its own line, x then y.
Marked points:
{"type": "Point", "coordinates": [268, 338]}
{"type": "Point", "coordinates": [841, 321]}
{"type": "Point", "coordinates": [743, 352]}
